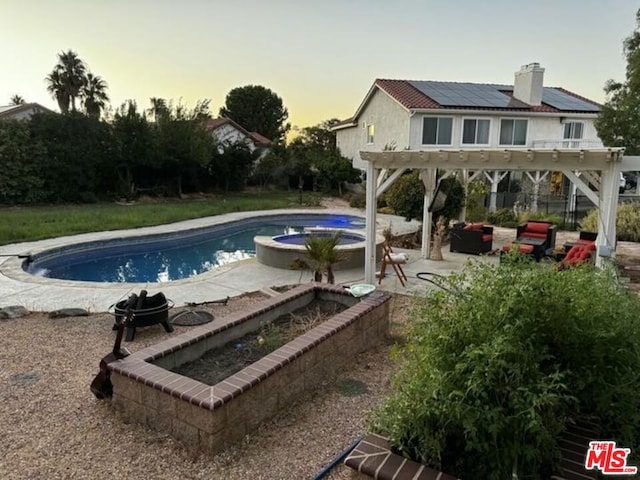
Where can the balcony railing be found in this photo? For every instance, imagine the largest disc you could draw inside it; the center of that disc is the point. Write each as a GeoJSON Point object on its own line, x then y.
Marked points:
{"type": "Point", "coordinates": [571, 143]}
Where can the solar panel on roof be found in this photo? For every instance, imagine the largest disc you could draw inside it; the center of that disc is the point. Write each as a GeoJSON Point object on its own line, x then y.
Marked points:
{"type": "Point", "coordinates": [563, 101]}
{"type": "Point", "coordinates": [463, 94]}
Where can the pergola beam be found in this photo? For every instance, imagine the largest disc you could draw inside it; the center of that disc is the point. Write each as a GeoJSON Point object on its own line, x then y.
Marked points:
{"type": "Point", "coordinates": [496, 159]}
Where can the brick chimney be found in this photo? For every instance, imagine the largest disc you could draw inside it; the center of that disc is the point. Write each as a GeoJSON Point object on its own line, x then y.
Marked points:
{"type": "Point", "coordinates": [528, 84]}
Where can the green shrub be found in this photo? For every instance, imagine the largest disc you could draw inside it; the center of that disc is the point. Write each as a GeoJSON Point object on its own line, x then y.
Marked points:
{"type": "Point", "coordinates": [541, 216]}
{"type": "Point", "coordinates": [406, 197]}
{"type": "Point", "coordinates": [627, 222]}
{"type": "Point", "coordinates": [496, 365]}
{"type": "Point", "coordinates": [502, 216]}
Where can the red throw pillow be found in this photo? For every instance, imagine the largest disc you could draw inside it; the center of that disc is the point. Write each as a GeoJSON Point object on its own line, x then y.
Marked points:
{"type": "Point", "coordinates": [537, 227]}
{"type": "Point", "coordinates": [474, 226]}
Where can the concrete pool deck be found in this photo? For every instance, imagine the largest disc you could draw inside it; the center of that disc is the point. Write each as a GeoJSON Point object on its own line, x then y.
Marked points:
{"type": "Point", "coordinates": [35, 293]}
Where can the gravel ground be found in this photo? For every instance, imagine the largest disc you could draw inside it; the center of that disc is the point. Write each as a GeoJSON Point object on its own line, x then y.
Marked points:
{"type": "Point", "coordinates": [53, 427]}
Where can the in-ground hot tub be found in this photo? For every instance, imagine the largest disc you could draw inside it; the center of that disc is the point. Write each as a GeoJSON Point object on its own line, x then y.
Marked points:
{"type": "Point", "coordinates": [283, 250]}
{"type": "Point", "coordinates": [210, 417]}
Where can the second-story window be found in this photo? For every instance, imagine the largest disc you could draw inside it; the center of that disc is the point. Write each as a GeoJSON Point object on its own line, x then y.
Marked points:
{"type": "Point", "coordinates": [371, 133]}
{"type": "Point", "coordinates": [437, 130]}
{"type": "Point", "coordinates": [475, 131]}
{"type": "Point", "coordinates": [573, 130]}
{"type": "Point", "coordinates": [513, 132]}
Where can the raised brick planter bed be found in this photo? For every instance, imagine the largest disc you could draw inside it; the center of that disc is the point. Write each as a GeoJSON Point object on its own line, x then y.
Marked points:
{"type": "Point", "coordinates": [372, 458]}
{"type": "Point", "coordinates": [208, 417]}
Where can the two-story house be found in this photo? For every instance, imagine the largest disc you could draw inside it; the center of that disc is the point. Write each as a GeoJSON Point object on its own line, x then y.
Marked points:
{"type": "Point", "coordinates": [423, 115]}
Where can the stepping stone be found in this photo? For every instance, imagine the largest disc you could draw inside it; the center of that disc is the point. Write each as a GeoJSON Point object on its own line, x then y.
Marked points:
{"type": "Point", "coordinates": [69, 312]}
{"type": "Point", "coordinates": [14, 311]}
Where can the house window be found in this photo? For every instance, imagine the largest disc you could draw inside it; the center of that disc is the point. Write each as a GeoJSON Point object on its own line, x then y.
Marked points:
{"type": "Point", "coordinates": [572, 131]}
{"type": "Point", "coordinates": [371, 133]}
{"type": "Point", "coordinates": [475, 131]}
{"type": "Point", "coordinates": [513, 132]}
{"type": "Point", "coordinates": [437, 131]}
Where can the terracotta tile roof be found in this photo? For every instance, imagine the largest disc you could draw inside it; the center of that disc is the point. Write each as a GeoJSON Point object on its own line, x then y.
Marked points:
{"type": "Point", "coordinates": [214, 123]}
{"type": "Point", "coordinates": [259, 139]}
{"type": "Point", "coordinates": [405, 93]}
{"type": "Point", "coordinates": [411, 98]}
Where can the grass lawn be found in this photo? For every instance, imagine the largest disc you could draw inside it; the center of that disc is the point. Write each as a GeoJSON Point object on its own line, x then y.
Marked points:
{"type": "Point", "coordinates": [22, 224]}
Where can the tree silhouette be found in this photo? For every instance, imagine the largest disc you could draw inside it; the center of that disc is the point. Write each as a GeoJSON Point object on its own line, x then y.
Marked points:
{"type": "Point", "coordinates": [94, 95]}
{"type": "Point", "coordinates": [16, 100]}
{"type": "Point", "coordinates": [257, 109]}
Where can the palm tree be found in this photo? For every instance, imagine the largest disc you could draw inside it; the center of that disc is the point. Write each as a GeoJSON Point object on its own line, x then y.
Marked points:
{"type": "Point", "coordinates": [158, 108]}
{"type": "Point", "coordinates": [17, 100]}
{"type": "Point", "coordinates": [57, 88]}
{"type": "Point", "coordinates": [74, 71]}
{"type": "Point", "coordinates": [94, 95]}
{"type": "Point", "coordinates": [66, 80]}
{"type": "Point", "coordinates": [323, 254]}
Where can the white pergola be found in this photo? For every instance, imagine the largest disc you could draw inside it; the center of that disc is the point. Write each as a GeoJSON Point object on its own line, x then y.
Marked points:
{"type": "Point", "coordinates": [600, 167]}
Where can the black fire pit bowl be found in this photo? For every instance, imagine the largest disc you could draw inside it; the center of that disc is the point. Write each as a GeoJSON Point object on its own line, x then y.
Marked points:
{"type": "Point", "coordinates": [154, 310]}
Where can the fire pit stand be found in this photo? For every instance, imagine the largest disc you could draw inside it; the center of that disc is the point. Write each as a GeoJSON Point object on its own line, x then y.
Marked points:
{"type": "Point", "coordinates": [150, 311]}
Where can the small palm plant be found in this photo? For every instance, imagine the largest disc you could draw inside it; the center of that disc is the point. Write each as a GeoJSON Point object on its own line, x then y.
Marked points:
{"type": "Point", "coordinates": [323, 254]}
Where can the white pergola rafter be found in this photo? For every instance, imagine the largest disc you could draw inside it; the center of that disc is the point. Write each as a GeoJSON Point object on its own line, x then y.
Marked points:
{"type": "Point", "coordinates": [608, 162]}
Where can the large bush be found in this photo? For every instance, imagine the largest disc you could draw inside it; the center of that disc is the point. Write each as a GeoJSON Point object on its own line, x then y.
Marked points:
{"type": "Point", "coordinates": [406, 197]}
{"type": "Point", "coordinates": [496, 365]}
{"type": "Point", "coordinates": [627, 222]}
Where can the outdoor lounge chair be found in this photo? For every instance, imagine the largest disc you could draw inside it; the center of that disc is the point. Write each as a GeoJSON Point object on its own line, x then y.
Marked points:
{"type": "Point", "coordinates": [474, 238]}
{"type": "Point", "coordinates": [534, 238]}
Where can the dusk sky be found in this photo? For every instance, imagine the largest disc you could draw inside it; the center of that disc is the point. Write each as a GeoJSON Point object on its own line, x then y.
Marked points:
{"type": "Point", "coordinates": [320, 57]}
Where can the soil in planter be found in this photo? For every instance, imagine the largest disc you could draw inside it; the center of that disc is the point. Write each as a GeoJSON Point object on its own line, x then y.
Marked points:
{"type": "Point", "coordinates": [220, 363]}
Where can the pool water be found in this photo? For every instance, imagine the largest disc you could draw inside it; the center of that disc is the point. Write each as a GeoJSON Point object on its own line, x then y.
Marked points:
{"type": "Point", "coordinates": [168, 257]}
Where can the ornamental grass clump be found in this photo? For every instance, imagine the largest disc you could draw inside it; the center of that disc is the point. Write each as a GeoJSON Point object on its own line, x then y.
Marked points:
{"type": "Point", "coordinates": [495, 367]}
{"type": "Point", "coordinates": [627, 221]}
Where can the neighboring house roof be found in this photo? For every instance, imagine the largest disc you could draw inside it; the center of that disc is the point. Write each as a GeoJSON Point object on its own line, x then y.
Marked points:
{"type": "Point", "coordinates": [260, 140]}
{"type": "Point", "coordinates": [432, 95]}
{"type": "Point", "coordinates": [256, 138]}
{"type": "Point", "coordinates": [10, 111]}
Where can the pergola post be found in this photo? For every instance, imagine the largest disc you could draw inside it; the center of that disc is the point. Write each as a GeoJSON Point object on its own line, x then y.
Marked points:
{"type": "Point", "coordinates": [537, 180]}
{"type": "Point", "coordinates": [370, 212]}
{"type": "Point", "coordinates": [494, 178]}
{"type": "Point", "coordinates": [606, 240]}
{"type": "Point", "coordinates": [428, 177]}
{"type": "Point", "coordinates": [465, 184]}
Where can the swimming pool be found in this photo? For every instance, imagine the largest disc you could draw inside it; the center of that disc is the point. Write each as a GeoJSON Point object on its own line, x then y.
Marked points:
{"type": "Point", "coordinates": [175, 256]}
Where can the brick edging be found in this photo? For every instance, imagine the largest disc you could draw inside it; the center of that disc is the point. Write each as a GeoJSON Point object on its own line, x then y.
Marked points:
{"type": "Point", "coordinates": [373, 457]}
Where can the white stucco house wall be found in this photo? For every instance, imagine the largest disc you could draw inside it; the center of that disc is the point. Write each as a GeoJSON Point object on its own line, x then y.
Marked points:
{"type": "Point", "coordinates": [21, 112]}
{"type": "Point", "coordinates": [433, 115]}
{"type": "Point", "coordinates": [228, 132]}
